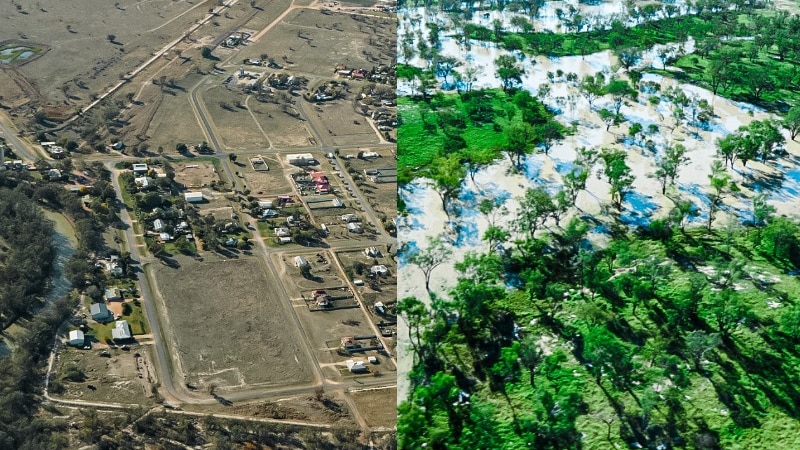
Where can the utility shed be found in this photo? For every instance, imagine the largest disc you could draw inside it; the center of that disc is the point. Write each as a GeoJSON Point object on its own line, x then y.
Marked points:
{"type": "Point", "coordinates": [193, 197]}
{"type": "Point", "coordinates": [76, 338]}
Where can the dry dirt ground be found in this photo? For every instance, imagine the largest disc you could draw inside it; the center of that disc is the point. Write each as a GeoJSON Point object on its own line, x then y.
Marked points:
{"type": "Point", "coordinates": [122, 378]}
{"type": "Point", "coordinates": [80, 49]}
{"type": "Point", "coordinates": [234, 127]}
{"type": "Point", "coordinates": [314, 43]}
{"type": "Point", "coordinates": [378, 407]}
{"type": "Point", "coordinates": [282, 130]}
{"type": "Point", "coordinates": [195, 174]}
{"type": "Point", "coordinates": [228, 325]}
{"type": "Point", "coordinates": [267, 184]}
{"type": "Point", "coordinates": [339, 124]}
{"type": "Point", "coordinates": [164, 116]}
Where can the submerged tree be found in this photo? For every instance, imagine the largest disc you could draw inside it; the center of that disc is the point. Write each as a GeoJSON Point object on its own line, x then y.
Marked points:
{"type": "Point", "coordinates": [432, 256]}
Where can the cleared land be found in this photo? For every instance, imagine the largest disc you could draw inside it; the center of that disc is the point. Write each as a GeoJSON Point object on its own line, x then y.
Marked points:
{"type": "Point", "coordinates": [195, 174]}
{"type": "Point", "coordinates": [122, 377]}
{"type": "Point", "coordinates": [282, 129]}
{"type": "Point", "coordinates": [233, 125]}
{"type": "Point", "coordinates": [228, 325]}
{"type": "Point", "coordinates": [340, 125]}
{"type": "Point", "coordinates": [377, 406]}
{"type": "Point", "coordinates": [265, 183]}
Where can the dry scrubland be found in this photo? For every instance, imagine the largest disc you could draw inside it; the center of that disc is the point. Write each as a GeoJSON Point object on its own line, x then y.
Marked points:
{"type": "Point", "coordinates": [326, 41]}
{"type": "Point", "coordinates": [228, 325]}
{"type": "Point", "coordinates": [282, 130]}
{"type": "Point", "coordinates": [80, 49]}
{"type": "Point", "coordinates": [121, 378]}
{"type": "Point", "coordinates": [377, 406]}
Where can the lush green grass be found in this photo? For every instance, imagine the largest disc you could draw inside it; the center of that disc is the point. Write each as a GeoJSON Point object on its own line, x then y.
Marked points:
{"type": "Point", "coordinates": [779, 98]}
{"type": "Point", "coordinates": [418, 146]}
{"type": "Point", "coordinates": [136, 319]}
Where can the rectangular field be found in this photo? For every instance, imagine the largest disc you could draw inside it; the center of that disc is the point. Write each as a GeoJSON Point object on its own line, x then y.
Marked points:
{"type": "Point", "coordinates": [228, 324]}
{"type": "Point", "coordinates": [282, 129]}
{"type": "Point", "coordinates": [234, 126]}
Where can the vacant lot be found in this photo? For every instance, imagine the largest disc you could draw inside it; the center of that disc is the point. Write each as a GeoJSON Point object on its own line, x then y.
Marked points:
{"type": "Point", "coordinates": [269, 183]}
{"type": "Point", "coordinates": [123, 377]}
{"type": "Point", "coordinates": [233, 125]}
{"type": "Point", "coordinates": [281, 128]}
{"type": "Point", "coordinates": [167, 119]}
{"type": "Point", "coordinates": [378, 407]}
{"type": "Point", "coordinates": [339, 124]}
{"type": "Point", "coordinates": [195, 174]}
{"type": "Point", "coordinates": [228, 324]}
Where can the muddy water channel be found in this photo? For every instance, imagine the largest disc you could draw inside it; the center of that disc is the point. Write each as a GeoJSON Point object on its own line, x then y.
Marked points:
{"type": "Point", "coordinates": [65, 244]}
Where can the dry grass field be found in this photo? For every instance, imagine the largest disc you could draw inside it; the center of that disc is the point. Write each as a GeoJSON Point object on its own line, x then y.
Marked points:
{"type": "Point", "coordinates": [282, 129]}
{"type": "Point", "coordinates": [167, 119]}
{"type": "Point", "coordinates": [338, 124]}
{"type": "Point", "coordinates": [121, 378]}
{"type": "Point", "coordinates": [82, 50]}
{"type": "Point", "coordinates": [377, 406]}
{"type": "Point", "coordinates": [234, 127]}
{"type": "Point", "coordinates": [314, 43]}
{"type": "Point", "coordinates": [269, 183]}
{"type": "Point", "coordinates": [228, 325]}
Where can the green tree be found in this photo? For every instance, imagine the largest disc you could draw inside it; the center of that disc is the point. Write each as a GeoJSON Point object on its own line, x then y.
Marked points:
{"type": "Point", "coordinates": [520, 141]}
{"type": "Point", "coordinates": [447, 174]}
{"type": "Point", "coordinates": [432, 256]}
{"type": "Point", "coordinates": [792, 121]}
{"type": "Point", "coordinates": [618, 174]}
{"type": "Point", "coordinates": [534, 209]}
{"type": "Point", "coordinates": [509, 71]}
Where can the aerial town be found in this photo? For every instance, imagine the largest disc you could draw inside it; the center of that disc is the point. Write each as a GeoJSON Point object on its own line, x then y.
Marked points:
{"type": "Point", "coordinates": [220, 181]}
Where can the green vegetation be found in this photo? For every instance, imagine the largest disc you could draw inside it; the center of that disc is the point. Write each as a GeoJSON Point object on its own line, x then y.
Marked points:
{"type": "Point", "coordinates": [469, 127]}
{"type": "Point", "coordinates": [662, 337]}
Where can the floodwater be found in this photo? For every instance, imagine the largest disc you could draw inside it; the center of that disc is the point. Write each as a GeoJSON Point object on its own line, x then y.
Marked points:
{"type": "Point", "coordinates": [65, 244]}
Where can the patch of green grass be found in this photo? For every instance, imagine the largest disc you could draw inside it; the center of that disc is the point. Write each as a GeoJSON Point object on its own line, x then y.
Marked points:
{"type": "Point", "coordinates": [418, 145]}
{"type": "Point", "coordinates": [136, 319]}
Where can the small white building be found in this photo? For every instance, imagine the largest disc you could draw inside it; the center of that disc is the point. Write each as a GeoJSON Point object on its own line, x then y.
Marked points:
{"type": "Point", "coordinates": [367, 155]}
{"type": "Point", "coordinates": [193, 197]}
{"type": "Point", "coordinates": [121, 330]}
{"type": "Point", "coordinates": [372, 252]}
{"type": "Point", "coordinates": [356, 366]}
{"type": "Point", "coordinates": [350, 218]}
{"type": "Point", "coordinates": [158, 224]}
{"type": "Point", "coordinates": [284, 240]}
{"type": "Point", "coordinates": [379, 270]}
{"type": "Point", "coordinates": [299, 261]}
{"type": "Point", "coordinates": [281, 232]}
{"type": "Point", "coordinates": [269, 213]}
{"type": "Point", "coordinates": [354, 227]}
{"type": "Point", "coordinates": [300, 159]}
{"type": "Point", "coordinates": [265, 204]}
{"type": "Point", "coordinates": [165, 237]}
{"type": "Point", "coordinates": [76, 338]}
{"type": "Point", "coordinates": [139, 168]}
